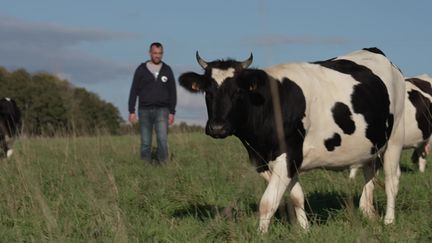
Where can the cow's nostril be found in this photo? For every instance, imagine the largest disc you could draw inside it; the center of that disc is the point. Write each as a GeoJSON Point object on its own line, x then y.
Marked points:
{"type": "Point", "coordinates": [217, 129]}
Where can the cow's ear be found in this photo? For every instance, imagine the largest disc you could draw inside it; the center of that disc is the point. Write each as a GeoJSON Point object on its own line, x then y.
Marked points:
{"type": "Point", "coordinates": [193, 82]}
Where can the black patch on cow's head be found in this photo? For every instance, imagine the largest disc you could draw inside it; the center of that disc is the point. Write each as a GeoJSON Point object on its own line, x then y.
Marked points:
{"type": "Point", "coordinates": [343, 117]}
{"type": "Point", "coordinates": [423, 85]}
{"type": "Point", "coordinates": [223, 98]}
{"type": "Point", "coordinates": [423, 109]}
{"type": "Point", "coordinates": [333, 142]}
{"type": "Point", "coordinates": [374, 50]}
{"type": "Point", "coordinates": [369, 98]}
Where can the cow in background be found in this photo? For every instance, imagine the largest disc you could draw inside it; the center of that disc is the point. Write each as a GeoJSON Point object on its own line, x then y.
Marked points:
{"type": "Point", "coordinates": [10, 124]}
{"type": "Point", "coordinates": [418, 119]}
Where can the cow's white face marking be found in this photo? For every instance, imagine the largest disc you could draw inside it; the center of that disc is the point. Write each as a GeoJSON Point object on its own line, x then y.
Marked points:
{"type": "Point", "coordinates": [9, 153]}
{"type": "Point", "coordinates": [8, 99]}
{"type": "Point", "coordinates": [221, 74]}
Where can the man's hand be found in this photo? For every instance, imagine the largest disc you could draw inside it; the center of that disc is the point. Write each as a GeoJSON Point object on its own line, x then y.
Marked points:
{"type": "Point", "coordinates": [171, 119]}
{"type": "Point", "coordinates": [133, 118]}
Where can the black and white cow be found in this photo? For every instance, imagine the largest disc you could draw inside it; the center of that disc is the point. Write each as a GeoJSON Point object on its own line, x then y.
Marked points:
{"type": "Point", "coordinates": [10, 123]}
{"type": "Point", "coordinates": [418, 119]}
{"type": "Point", "coordinates": [335, 113]}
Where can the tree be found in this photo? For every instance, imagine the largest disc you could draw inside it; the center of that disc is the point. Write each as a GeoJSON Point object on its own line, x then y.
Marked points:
{"type": "Point", "coordinates": [49, 105]}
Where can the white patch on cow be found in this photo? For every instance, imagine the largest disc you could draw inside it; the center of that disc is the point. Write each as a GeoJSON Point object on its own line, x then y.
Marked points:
{"type": "Point", "coordinates": [8, 99]}
{"type": "Point", "coordinates": [9, 153]}
{"type": "Point", "coordinates": [219, 75]}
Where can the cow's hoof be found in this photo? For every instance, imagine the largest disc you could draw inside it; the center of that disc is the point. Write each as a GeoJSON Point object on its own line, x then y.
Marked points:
{"type": "Point", "coordinates": [263, 226]}
{"type": "Point", "coordinates": [388, 221]}
{"type": "Point", "coordinates": [9, 153]}
{"type": "Point", "coordinates": [369, 212]}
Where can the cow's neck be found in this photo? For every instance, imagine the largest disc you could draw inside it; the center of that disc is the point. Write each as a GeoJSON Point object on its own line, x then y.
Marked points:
{"type": "Point", "coordinates": [259, 133]}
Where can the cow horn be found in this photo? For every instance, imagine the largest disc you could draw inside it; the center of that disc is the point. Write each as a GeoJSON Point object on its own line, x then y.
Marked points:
{"type": "Point", "coordinates": [248, 62]}
{"type": "Point", "coordinates": [200, 61]}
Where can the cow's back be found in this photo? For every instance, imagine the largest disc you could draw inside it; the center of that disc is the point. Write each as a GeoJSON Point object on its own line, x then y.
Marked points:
{"type": "Point", "coordinates": [352, 105]}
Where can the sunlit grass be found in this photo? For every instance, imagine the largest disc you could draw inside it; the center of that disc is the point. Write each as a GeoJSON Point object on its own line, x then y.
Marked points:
{"type": "Point", "coordinates": [96, 189]}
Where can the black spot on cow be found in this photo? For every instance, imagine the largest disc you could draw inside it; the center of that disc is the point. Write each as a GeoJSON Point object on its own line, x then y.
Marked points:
{"type": "Point", "coordinates": [369, 98]}
{"type": "Point", "coordinates": [423, 108]}
{"type": "Point", "coordinates": [343, 117]}
{"type": "Point", "coordinates": [390, 122]}
{"type": "Point", "coordinates": [333, 142]}
{"type": "Point", "coordinates": [423, 85]}
{"type": "Point", "coordinates": [258, 130]}
{"type": "Point", "coordinates": [374, 50]}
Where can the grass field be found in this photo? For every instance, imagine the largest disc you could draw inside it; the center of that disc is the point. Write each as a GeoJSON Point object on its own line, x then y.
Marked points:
{"type": "Point", "coordinates": [95, 189]}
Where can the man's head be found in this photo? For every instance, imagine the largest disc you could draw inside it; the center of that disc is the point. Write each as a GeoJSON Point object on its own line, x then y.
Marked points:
{"type": "Point", "coordinates": [156, 52]}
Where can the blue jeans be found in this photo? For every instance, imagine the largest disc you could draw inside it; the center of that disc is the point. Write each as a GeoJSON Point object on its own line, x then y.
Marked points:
{"type": "Point", "coordinates": [157, 118]}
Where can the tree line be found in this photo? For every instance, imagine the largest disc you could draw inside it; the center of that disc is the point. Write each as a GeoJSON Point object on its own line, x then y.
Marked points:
{"type": "Point", "coordinates": [50, 105]}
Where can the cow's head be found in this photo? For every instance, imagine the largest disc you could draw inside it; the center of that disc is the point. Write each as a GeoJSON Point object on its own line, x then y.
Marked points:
{"type": "Point", "coordinates": [227, 93]}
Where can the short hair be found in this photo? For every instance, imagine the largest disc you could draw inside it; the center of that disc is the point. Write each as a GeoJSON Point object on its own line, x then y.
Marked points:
{"type": "Point", "coordinates": [156, 44]}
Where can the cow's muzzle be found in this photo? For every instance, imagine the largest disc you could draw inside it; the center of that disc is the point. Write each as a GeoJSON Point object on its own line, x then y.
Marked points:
{"type": "Point", "coordinates": [218, 129]}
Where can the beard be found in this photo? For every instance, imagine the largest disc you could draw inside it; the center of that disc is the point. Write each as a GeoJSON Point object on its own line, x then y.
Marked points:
{"type": "Point", "coordinates": [156, 60]}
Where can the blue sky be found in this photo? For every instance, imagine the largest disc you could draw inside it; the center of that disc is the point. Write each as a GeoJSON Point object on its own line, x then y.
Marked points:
{"type": "Point", "coordinates": [98, 44]}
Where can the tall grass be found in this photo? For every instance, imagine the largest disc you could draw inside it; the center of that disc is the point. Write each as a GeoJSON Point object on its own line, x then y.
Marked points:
{"type": "Point", "coordinates": [95, 189]}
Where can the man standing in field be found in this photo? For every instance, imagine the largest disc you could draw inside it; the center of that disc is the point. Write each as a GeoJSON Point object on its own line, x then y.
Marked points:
{"type": "Point", "coordinates": [154, 85]}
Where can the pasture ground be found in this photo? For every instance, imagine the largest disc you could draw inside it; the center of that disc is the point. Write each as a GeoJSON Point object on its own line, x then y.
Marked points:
{"type": "Point", "coordinates": [95, 189]}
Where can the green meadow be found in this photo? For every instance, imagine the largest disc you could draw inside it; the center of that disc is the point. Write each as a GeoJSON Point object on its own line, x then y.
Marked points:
{"type": "Point", "coordinates": [95, 189]}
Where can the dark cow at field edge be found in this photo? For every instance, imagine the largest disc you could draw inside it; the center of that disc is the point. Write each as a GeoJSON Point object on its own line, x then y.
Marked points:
{"type": "Point", "coordinates": [10, 123]}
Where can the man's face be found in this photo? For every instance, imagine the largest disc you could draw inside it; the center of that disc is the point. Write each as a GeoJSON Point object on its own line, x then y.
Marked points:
{"type": "Point", "coordinates": [156, 54]}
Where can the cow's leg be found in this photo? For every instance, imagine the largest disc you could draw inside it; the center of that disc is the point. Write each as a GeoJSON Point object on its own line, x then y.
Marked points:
{"type": "Point", "coordinates": [297, 202]}
{"type": "Point", "coordinates": [3, 146]}
{"type": "Point", "coordinates": [9, 153]}
{"type": "Point", "coordinates": [392, 170]}
{"type": "Point", "coordinates": [392, 174]}
{"type": "Point", "coordinates": [423, 153]}
{"type": "Point", "coordinates": [366, 199]}
{"type": "Point", "coordinates": [9, 143]}
{"type": "Point", "coordinates": [272, 196]}
{"type": "Point", "coordinates": [353, 172]}
{"type": "Point", "coordinates": [266, 175]}
{"type": "Point", "coordinates": [291, 212]}
{"type": "Point", "coordinates": [419, 155]}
